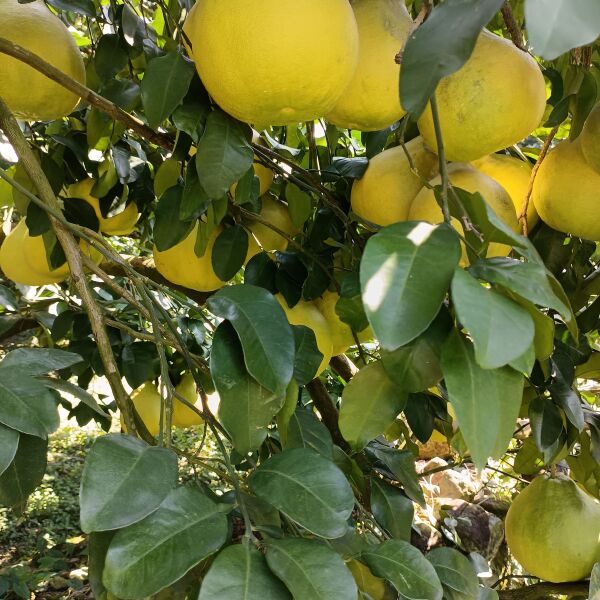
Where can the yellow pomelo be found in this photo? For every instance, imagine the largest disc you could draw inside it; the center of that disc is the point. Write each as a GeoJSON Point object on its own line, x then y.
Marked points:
{"type": "Point", "coordinates": [184, 416]}
{"type": "Point", "coordinates": [366, 581]}
{"type": "Point", "coordinates": [28, 270]}
{"type": "Point", "coordinates": [513, 174]}
{"type": "Point", "coordinates": [553, 530]}
{"type": "Point", "coordinates": [23, 258]}
{"type": "Point", "coordinates": [565, 192]}
{"type": "Point", "coordinates": [384, 194]}
{"type": "Point", "coordinates": [121, 224]}
{"type": "Point", "coordinates": [590, 139]}
{"type": "Point", "coordinates": [426, 208]}
{"type": "Point", "coordinates": [147, 402]}
{"type": "Point", "coordinates": [496, 99]}
{"type": "Point", "coordinates": [307, 314]}
{"type": "Point", "coordinates": [263, 72]}
{"type": "Point", "coordinates": [180, 264]}
{"type": "Point", "coordinates": [276, 213]}
{"type": "Point", "coordinates": [371, 100]}
{"type": "Point", "coordinates": [341, 334]}
{"type": "Point", "coordinates": [28, 93]}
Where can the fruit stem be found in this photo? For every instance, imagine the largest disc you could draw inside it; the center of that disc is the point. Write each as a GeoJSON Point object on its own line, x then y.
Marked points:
{"type": "Point", "coordinates": [442, 158]}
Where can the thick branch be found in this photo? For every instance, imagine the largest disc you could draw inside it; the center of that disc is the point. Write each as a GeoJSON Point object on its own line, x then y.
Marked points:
{"type": "Point", "coordinates": [343, 367]}
{"type": "Point", "coordinates": [110, 108]}
{"type": "Point", "coordinates": [320, 396]}
{"type": "Point", "coordinates": [543, 590]}
{"type": "Point", "coordinates": [11, 129]}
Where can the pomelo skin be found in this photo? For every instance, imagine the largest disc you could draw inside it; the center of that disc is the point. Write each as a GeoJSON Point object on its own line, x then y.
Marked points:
{"type": "Point", "coordinates": [274, 62]}
{"type": "Point", "coordinates": [495, 100]}
{"type": "Point", "coordinates": [553, 530]}
{"type": "Point", "coordinates": [29, 94]}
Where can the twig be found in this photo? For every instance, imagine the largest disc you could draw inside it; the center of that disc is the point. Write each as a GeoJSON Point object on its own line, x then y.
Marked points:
{"type": "Point", "coordinates": [320, 396]}
{"type": "Point", "coordinates": [73, 254]}
{"type": "Point", "coordinates": [442, 159]}
{"type": "Point", "coordinates": [343, 367]}
{"type": "Point", "coordinates": [534, 172]}
{"type": "Point", "coordinates": [106, 106]}
{"type": "Point", "coordinates": [538, 591]}
{"type": "Point", "coordinates": [513, 27]}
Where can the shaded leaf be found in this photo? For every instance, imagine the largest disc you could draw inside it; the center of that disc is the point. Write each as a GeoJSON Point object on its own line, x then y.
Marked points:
{"type": "Point", "coordinates": [9, 442]}
{"type": "Point", "coordinates": [246, 407]}
{"type": "Point", "coordinates": [229, 252]}
{"type": "Point", "coordinates": [123, 481]}
{"type": "Point", "coordinates": [308, 488]}
{"type": "Point", "coordinates": [392, 509]}
{"type": "Point", "coordinates": [370, 404]}
{"type": "Point", "coordinates": [157, 551]}
{"type": "Point", "coordinates": [306, 431]}
{"type": "Point", "coordinates": [38, 361]}
{"type": "Point", "coordinates": [263, 330]}
{"type": "Point", "coordinates": [486, 401]}
{"type": "Point", "coordinates": [456, 573]}
{"type": "Point", "coordinates": [240, 572]}
{"type": "Point", "coordinates": [308, 356]}
{"type": "Point", "coordinates": [310, 569]}
{"type": "Point", "coordinates": [408, 570]}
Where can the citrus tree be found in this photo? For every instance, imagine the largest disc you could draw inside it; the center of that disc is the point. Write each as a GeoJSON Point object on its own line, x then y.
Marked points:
{"type": "Point", "coordinates": [320, 233]}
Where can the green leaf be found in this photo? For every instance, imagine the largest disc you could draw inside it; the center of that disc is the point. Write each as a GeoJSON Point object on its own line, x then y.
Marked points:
{"type": "Point", "coordinates": [110, 56]}
{"type": "Point", "coordinates": [264, 332]}
{"type": "Point", "coordinates": [308, 356]}
{"type": "Point", "coordinates": [405, 273]}
{"type": "Point", "coordinates": [140, 363]}
{"type": "Point", "coordinates": [311, 570]}
{"type": "Point", "coordinates": [148, 556]}
{"type": "Point", "coordinates": [66, 387]}
{"type": "Point", "coordinates": [229, 252]}
{"type": "Point", "coordinates": [416, 366]}
{"type": "Point", "coordinates": [98, 543]}
{"type": "Point", "coordinates": [501, 330]}
{"type": "Point", "coordinates": [546, 422]}
{"type": "Point", "coordinates": [300, 205]}
{"type": "Point", "coordinates": [308, 488]}
{"type": "Point", "coordinates": [370, 404]}
{"type": "Point", "coordinates": [456, 573]}
{"type": "Point", "coordinates": [24, 473]}
{"type": "Point", "coordinates": [240, 572]}
{"type": "Point", "coordinates": [408, 570]}
{"type": "Point", "coordinates": [487, 594]}
{"type": "Point", "coordinates": [80, 7]}
{"type": "Point", "coordinates": [38, 361]}
{"type": "Point", "coordinates": [26, 405]}
{"type": "Point", "coordinates": [165, 83]}
{"type": "Point", "coordinates": [557, 26]}
{"type": "Point", "coordinates": [440, 47]}
{"type": "Point", "coordinates": [246, 408]}
{"type": "Point", "coordinates": [9, 442]}
{"type": "Point", "coordinates": [486, 401]}
{"type": "Point", "coordinates": [195, 201]}
{"type": "Point", "coordinates": [392, 509]}
{"type": "Point", "coordinates": [306, 431]}
{"type": "Point", "coordinates": [529, 280]}
{"type": "Point", "coordinates": [401, 463]}
{"type": "Point", "coordinates": [123, 481]}
{"type": "Point", "coordinates": [169, 230]}
{"type": "Point", "coordinates": [224, 154]}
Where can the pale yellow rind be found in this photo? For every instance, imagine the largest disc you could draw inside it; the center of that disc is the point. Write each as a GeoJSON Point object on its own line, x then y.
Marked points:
{"type": "Point", "coordinates": [29, 94]}
{"type": "Point", "coordinates": [553, 530]}
{"type": "Point", "coordinates": [263, 72]}
{"type": "Point", "coordinates": [371, 101]}
{"type": "Point", "coordinates": [495, 100]}
{"type": "Point", "coordinates": [514, 175]}
{"type": "Point", "coordinates": [384, 194]}
{"type": "Point", "coordinates": [426, 208]}
{"type": "Point", "coordinates": [277, 214]}
{"type": "Point", "coordinates": [566, 192]}
{"type": "Point", "coordinates": [307, 314]}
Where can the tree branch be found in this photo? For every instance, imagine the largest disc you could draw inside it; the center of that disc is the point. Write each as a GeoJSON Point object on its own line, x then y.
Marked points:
{"type": "Point", "coordinates": [320, 396]}
{"type": "Point", "coordinates": [513, 27]}
{"type": "Point", "coordinates": [539, 591]}
{"type": "Point", "coordinates": [110, 108]}
{"type": "Point", "coordinates": [343, 367]}
{"type": "Point", "coordinates": [72, 251]}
